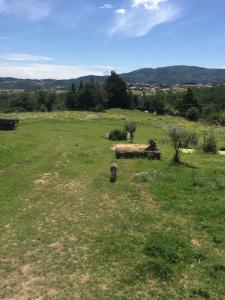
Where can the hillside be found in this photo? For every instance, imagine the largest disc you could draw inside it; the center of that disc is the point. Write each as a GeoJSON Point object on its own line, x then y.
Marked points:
{"type": "Point", "coordinates": [166, 75]}
{"type": "Point", "coordinates": [177, 75]}
{"type": "Point", "coordinates": [66, 232]}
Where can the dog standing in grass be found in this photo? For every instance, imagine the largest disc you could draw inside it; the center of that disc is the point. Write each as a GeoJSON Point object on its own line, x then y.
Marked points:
{"type": "Point", "coordinates": [113, 171]}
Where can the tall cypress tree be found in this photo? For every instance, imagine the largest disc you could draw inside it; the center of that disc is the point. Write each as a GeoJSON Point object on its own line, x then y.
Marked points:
{"type": "Point", "coordinates": [117, 91]}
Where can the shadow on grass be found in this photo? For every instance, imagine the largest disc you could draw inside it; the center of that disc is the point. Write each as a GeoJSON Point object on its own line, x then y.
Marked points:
{"type": "Point", "coordinates": [183, 164]}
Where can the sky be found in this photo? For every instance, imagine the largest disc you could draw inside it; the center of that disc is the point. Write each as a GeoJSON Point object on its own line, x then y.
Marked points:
{"type": "Point", "coordinates": [64, 39]}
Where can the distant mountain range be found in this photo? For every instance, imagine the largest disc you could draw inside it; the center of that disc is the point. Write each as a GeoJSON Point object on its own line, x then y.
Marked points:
{"type": "Point", "coordinates": [165, 75]}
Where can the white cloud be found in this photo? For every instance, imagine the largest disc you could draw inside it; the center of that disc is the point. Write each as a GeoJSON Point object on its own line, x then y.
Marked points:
{"type": "Point", "coordinates": [148, 4]}
{"type": "Point", "coordinates": [121, 11]}
{"type": "Point", "coordinates": [25, 57]}
{"type": "Point", "coordinates": [106, 6]}
{"type": "Point", "coordinates": [142, 16]}
{"type": "Point", "coordinates": [55, 71]}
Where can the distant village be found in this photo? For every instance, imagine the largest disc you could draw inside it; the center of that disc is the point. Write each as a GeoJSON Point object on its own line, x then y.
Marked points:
{"type": "Point", "coordinates": [152, 89]}
{"type": "Point", "coordinates": [136, 88]}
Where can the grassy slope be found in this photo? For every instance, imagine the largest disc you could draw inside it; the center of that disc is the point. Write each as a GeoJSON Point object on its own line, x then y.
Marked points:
{"type": "Point", "coordinates": [67, 233]}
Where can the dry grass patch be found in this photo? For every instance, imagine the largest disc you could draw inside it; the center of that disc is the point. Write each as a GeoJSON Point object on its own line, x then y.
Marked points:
{"type": "Point", "coordinates": [22, 284]}
{"type": "Point", "coordinates": [129, 147]}
{"type": "Point", "coordinates": [71, 186]}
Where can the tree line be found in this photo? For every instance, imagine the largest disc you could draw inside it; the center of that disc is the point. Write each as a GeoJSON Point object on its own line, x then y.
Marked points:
{"type": "Point", "coordinates": [193, 104]}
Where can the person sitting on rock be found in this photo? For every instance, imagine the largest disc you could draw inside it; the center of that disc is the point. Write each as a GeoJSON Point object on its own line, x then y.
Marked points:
{"type": "Point", "coordinates": [152, 146]}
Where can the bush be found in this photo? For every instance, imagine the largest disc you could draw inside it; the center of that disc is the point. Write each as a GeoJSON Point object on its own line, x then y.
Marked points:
{"type": "Point", "coordinates": [209, 143]}
{"type": "Point", "coordinates": [117, 135]}
{"type": "Point", "coordinates": [146, 176]}
{"type": "Point", "coordinates": [222, 119]}
{"type": "Point", "coordinates": [192, 114]}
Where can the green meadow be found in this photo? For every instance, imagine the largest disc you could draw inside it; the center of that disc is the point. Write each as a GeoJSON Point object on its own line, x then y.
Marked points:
{"type": "Point", "coordinates": [66, 232]}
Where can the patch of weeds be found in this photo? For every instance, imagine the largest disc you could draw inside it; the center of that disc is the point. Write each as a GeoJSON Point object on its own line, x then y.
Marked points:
{"type": "Point", "coordinates": [200, 293]}
{"type": "Point", "coordinates": [216, 231]}
{"type": "Point", "coordinates": [166, 252]}
{"type": "Point", "coordinates": [169, 247]}
{"type": "Point", "coordinates": [146, 176]}
{"type": "Point", "coordinates": [158, 268]}
{"type": "Point", "coordinates": [218, 238]}
{"type": "Point", "coordinates": [218, 271]}
{"type": "Point", "coordinates": [195, 180]}
{"type": "Point", "coordinates": [200, 257]}
{"type": "Point", "coordinates": [112, 246]}
{"type": "Point", "coordinates": [219, 186]}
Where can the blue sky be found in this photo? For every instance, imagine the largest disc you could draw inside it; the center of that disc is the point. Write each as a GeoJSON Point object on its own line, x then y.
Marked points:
{"type": "Point", "coordinates": [72, 38]}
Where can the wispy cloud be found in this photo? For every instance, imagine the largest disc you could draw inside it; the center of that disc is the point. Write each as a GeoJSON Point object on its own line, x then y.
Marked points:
{"type": "Point", "coordinates": [51, 10]}
{"type": "Point", "coordinates": [25, 57]}
{"type": "Point", "coordinates": [3, 37]}
{"type": "Point", "coordinates": [141, 16]}
{"type": "Point", "coordinates": [70, 16]}
{"type": "Point", "coordinates": [2, 6]}
{"type": "Point", "coordinates": [31, 10]}
{"type": "Point", "coordinates": [106, 6]}
{"type": "Point", "coordinates": [120, 11]}
{"type": "Point", "coordinates": [148, 4]}
{"type": "Point", "coordinates": [55, 71]}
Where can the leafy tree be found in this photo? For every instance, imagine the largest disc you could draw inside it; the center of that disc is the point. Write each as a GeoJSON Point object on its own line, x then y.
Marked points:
{"type": "Point", "coordinates": [130, 127]}
{"type": "Point", "coordinates": [117, 92]}
{"type": "Point", "coordinates": [92, 97]}
{"type": "Point", "coordinates": [25, 101]}
{"type": "Point", "coordinates": [181, 138]}
{"type": "Point", "coordinates": [81, 85]}
{"type": "Point", "coordinates": [50, 101]}
{"type": "Point", "coordinates": [72, 98]}
{"type": "Point", "coordinates": [188, 101]}
{"type": "Point", "coordinates": [46, 100]}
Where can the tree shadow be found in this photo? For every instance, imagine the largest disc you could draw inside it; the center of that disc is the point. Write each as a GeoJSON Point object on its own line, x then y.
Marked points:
{"type": "Point", "coordinates": [183, 164]}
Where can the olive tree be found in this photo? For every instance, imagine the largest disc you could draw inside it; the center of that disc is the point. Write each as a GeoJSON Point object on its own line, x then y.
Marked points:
{"type": "Point", "coordinates": [181, 138]}
{"type": "Point", "coordinates": [130, 127]}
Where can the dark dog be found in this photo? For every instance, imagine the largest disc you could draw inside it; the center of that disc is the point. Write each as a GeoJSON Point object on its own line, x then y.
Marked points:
{"type": "Point", "coordinates": [113, 171]}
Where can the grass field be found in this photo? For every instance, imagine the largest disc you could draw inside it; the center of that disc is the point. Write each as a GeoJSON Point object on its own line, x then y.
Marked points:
{"type": "Point", "coordinates": [66, 232]}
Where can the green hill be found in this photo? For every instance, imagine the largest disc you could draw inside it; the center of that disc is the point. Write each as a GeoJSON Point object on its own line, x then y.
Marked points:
{"type": "Point", "coordinates": [166, 75]}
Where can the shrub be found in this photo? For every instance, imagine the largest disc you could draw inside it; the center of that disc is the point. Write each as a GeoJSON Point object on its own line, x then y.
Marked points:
{"type": "Point", "coordinates": [209, 143]}
{"type": "Point", "coordinates": [117, 135]}
{"type": "Point", "coordinates": [222, 119]}
{"type": "Point", "coordinates": [146, 176]}
{"type": "Point", "coordinates": [192, 114]}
